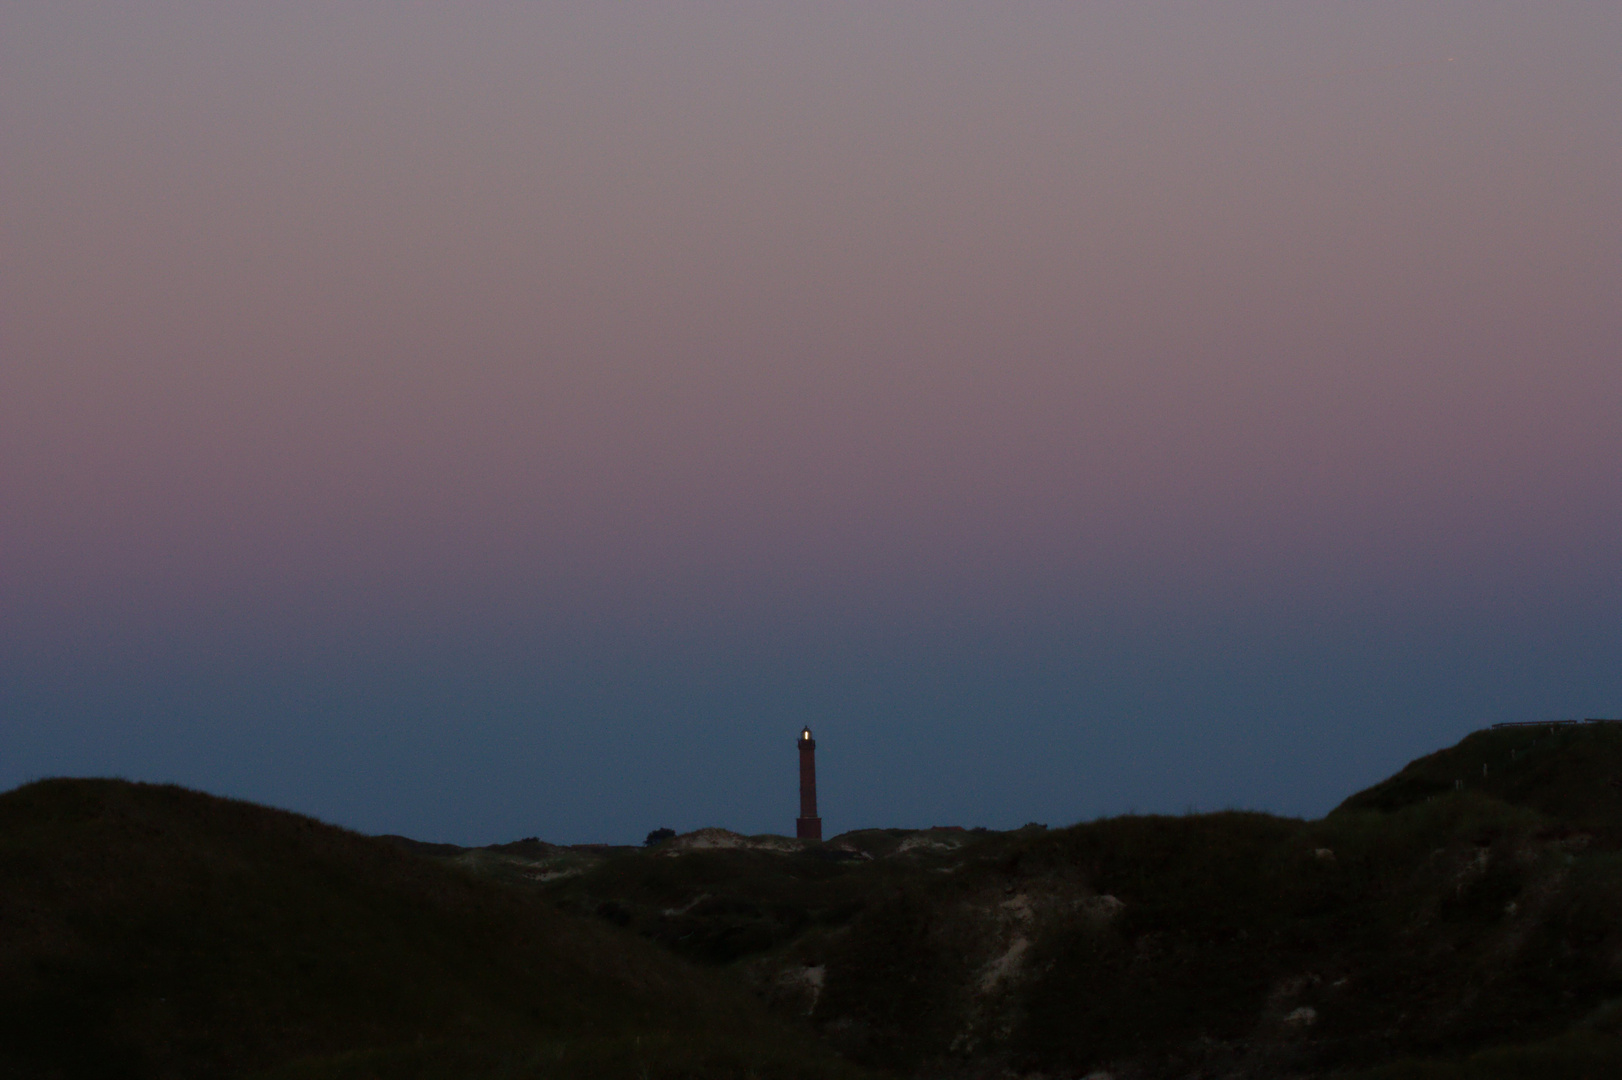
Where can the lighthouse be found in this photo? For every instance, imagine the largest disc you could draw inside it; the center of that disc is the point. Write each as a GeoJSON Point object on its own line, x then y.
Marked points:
{"type": "Point", "coordinates": [808, 826]}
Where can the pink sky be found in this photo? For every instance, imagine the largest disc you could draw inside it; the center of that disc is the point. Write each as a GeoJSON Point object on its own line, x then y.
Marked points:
{"type": "Point", "coordinates": [772, 312]}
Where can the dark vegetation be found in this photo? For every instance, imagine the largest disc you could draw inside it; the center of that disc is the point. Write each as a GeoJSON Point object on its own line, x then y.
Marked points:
{"type": "Point", "coordinates": [1452, 921]}
{"type": "Point", "coordinates": [1461, 920]}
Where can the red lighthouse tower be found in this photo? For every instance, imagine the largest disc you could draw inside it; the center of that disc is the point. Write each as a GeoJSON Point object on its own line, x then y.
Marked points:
{"type": "Point", "coordinates": [808, 826]}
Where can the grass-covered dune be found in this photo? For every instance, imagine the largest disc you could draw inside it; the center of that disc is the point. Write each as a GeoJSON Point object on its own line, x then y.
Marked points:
{"type": "Point", "coordinates": [1463, 919]}
{"type": "Point", "coordinates": [151, 931]}
{"type": "Point", "coordinates": [1567, 772]}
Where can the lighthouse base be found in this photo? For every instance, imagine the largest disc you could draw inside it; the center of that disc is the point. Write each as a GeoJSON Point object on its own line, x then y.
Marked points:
{"type": "Point", "coordinates": [808, 828]}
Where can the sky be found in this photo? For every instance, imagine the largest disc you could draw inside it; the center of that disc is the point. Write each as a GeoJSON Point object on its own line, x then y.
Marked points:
{"type": "Point", "coordinates": [501, 419]}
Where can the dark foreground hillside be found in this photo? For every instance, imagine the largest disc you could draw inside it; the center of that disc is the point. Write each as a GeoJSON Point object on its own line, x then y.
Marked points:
{"type": "Point", "coordinates": [1460, 921]}
{"type": "Point", "coordinates": [151, 931]}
